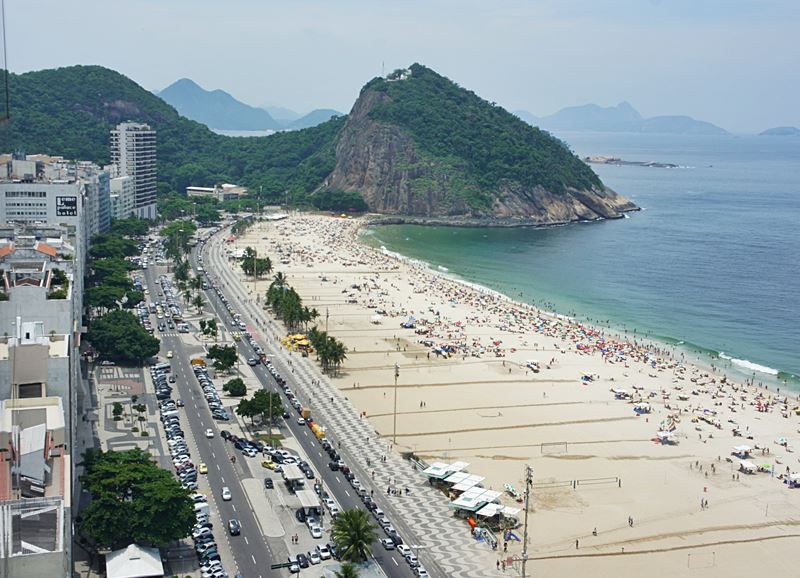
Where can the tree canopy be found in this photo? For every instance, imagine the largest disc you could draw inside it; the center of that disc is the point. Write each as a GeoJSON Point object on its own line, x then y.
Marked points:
{"type": "Point", "coordinates": [353, 534]}
{"type": "Point", "coordinates": [235, 387]}
{"type": "Point", "coordinates": [118, 335]}
{"type": "Point", "coordinates": [224, 356]}
{"type": "Point", "coordinates": [133, 500]}
{"type": "Point", "coordinates": [254, 265]}
{"type": "Point", "coordinates": [131, 227]}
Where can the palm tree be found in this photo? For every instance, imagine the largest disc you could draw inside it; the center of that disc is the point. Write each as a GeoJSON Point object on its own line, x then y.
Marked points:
{"type": "Point", "coordinates": [196, 283]}
{"type": "Point", "coordinates": [198, 302]}
{"type": "Point", "coordinates": [347, 570]}
{"type": "Point", "coordinates": [353, 535]}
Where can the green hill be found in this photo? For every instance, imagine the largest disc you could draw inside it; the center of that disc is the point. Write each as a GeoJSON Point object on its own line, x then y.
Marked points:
{"type": "Point", "coordinates": [69, 112]}
{"type": "Point", "coordinates": [417, 145]}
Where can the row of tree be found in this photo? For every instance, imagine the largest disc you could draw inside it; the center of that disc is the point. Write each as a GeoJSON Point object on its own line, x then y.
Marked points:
{"type": "Point", "coordinates": [253, 265]}
{"type": "Point", "coordinates": [110, 293]}
{"type": "Point", "coordinates": [331, 352]}
{"type": "Point", "coordinates": [287, 304]}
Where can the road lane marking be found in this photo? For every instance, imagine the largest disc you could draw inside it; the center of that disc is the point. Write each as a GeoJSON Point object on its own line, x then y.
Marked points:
{"type": "Point", "coordinates": [246, 541]}
{"type": "Point", "coordinates": [348, 493]}
{"type": "Point", "coordinates": [395, 562]}
{"type": "Point", "coordinates": [254, 558]}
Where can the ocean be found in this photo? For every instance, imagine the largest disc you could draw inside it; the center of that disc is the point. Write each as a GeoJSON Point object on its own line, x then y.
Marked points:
{"type": "Point", "coordinates": [711, 265]}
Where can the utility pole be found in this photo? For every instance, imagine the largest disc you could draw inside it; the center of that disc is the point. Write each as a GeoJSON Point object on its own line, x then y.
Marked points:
{"type": "Point", "coordinates": [528, 486]}
{"type": "Point", "coordinates": [255, 271]}
{"type": "Point", "coordinates": [394, 413]}
{"type": "Point", "coordinates": [327, 314]}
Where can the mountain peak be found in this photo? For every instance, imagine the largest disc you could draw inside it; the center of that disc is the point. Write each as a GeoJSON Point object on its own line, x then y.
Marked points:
{"type": "Point", "coordinates": [417, 144]}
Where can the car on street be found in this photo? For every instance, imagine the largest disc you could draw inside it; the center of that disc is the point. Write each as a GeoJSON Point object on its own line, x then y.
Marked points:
{"type": "Point", "coordinates": [268, 483]}
{"type": "Point", "coordinates": [324, 552]}
{"type": "Point", "coordinates": [302, 560]}
{"type": "Point", "coordinates": [316, 532]}
{"type": "Point", "coordinates": [387, 544]}
{"type": "Point", "coordinates": [169, 354]}
{"type": "Point", "coordinates": [252, 362]}
{"type": "Point", "coordinates": [226, 494]}
{"type": "Point", "coordinates": [202, 468]}
{"type": "Point", "coordinates": [234, 527]}
{"type": "Point", "coordinates": [209, 433]}
{"type": "Point", "coordinates": [314, 557]}
{"type": "Point", "coordinates": [301, 421]}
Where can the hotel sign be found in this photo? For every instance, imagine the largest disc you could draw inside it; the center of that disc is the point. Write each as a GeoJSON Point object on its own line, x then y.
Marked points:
{"type": "Point", "coordinates": [66, 206]}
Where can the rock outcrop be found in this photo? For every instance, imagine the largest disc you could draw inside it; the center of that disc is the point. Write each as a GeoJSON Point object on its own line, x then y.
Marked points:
{"type": "Point", "coordinates": [396, 176]}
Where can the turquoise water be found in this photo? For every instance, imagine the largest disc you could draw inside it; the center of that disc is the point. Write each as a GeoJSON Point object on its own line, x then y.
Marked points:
{"type": "Point", "coordinates": [711, 263]}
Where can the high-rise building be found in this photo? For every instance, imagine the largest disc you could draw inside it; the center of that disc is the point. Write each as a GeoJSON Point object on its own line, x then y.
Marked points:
{"type": "Point", "coordinates": [133, 150]}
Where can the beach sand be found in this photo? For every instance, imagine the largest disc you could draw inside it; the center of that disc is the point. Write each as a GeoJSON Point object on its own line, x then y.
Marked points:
{"type": "Point", "coordinates": [595, 462]}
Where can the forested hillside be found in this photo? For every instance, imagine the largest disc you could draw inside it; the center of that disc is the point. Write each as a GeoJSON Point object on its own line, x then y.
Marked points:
{"type": "Point", "coordinates": [69, 112]}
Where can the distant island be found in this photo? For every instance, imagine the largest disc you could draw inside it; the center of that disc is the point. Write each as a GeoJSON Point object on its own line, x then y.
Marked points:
{"type": "Point", "coordinates": [605, 160]}
{"type": "Point", "coordinates": [217, 109]}
{"type": "Point", "coordinates": [620, 118]}
{"type": "Point", "coordinates": [781, 131]}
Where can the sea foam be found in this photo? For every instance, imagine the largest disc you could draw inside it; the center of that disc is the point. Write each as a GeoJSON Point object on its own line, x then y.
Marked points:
{"type": "Point", "coordinates": [749, 365]}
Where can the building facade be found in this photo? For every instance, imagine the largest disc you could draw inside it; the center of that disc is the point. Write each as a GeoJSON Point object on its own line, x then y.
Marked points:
{"type": "Point", "coordinates": [41, 289]}
{"type": "Point", "coordinates": [224, 192]}
{"type": "Point", "coordinates": [133, 150]}
{"type": "Point", "coordinates": [121, 197]}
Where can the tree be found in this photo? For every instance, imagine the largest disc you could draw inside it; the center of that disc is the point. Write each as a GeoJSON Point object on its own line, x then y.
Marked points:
{"type": "Point", "coordinates": [267, 404]}
{"type": "Point", "coordinates": [353, 535]}
{"type": "Point", "coordinates": [246, 408]}
{"type": "Point", "coordinates": [253, 265]}
{"type": "Point", "coordinates": [235, 387]}
{"type": "Point", "coordinates": [198, 302]}
{"type": "Point", "coordinates": [348, 570]}
{"type": "Point", "coordinates": [133, 500]}
{"type": "Point", "coordinates": [131, 227]}
{"type": "Point", "coordinates": [118, 335]}
{"type": "Point", "coordinates": [108, 245]}
{"type": "Point", "coordinates": [224, 356]}
{"type": "Point", "coordinates": [116, 410]}
{"type": "Point", "coordinates": [181, 270]}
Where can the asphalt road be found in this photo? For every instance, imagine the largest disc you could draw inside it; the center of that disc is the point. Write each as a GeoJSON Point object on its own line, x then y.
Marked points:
{"type": "Point", "coordinates": [252, 557]}
{"type": "Point", "coordinates": [334, 482]}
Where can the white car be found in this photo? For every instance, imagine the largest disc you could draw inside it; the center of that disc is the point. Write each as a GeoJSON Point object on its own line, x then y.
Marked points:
{"type": "Point", "coordinates": [324, 552]}
{"type": "Point", "coordinates": [404, 550]}
{"type": "Point", "coordinates": [314, 557]}
{"type": "Point", "coordinates": [301, 421]}
{"type": "Point", "coordinates": [316, 532]}
{"type": "Point", "coordinates": [422, 572]}
{"type": "Point", "coordinates": [226, 494]}
{"type": "Point", "coordinates": [209, 433]}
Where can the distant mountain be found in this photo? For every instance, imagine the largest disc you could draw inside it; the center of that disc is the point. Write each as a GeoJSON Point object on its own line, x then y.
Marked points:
{"type": "Point", "coordinates": [781, 131]}
{"type": "Point", "coordinates": [620, 118]}
{"type": "Point", "coordinates": [314, 118]}
{"type": "Point", "coordinates": [216, 108]}
{"type": "Point", "coordinates": [281, 114]}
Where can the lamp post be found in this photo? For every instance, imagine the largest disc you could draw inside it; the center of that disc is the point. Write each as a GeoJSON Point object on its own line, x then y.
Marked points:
{"type": "Point", "coordinates": [394, 413]}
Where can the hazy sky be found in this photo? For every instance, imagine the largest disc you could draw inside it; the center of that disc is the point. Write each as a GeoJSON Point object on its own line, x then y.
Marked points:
{"type": "Point", "coordinates": [735, 63]}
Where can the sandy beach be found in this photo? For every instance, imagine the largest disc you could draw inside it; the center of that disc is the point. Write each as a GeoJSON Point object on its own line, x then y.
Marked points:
{"type": "Point", "coordinates": [499, 385]}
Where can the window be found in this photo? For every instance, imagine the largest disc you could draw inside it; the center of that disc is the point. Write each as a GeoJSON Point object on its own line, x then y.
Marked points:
{"type": "Point", "coordinates": [28, 390]}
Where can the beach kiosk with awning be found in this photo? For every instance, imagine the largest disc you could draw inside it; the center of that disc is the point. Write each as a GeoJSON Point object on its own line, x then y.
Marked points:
{"type": "Point", "coordinates": [742, 451]}
{"type": "Point", "coordinates": [474, 499]}
{"type": "Point", "coordinates": [440, 470]}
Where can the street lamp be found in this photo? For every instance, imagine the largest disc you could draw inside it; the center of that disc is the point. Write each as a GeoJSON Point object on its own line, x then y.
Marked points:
{"type": "Point", "coordinates": [394, 413]}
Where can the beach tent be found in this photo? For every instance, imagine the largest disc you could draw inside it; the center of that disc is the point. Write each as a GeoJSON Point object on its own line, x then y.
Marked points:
{"type": "Point", "coordinates": [742, 450]}
{"type": "Point", "coordinates": [794, 480]}
{"type": "Point", "coordinates": [747, 467]}
{"type": "Point", "coordinates": [376, 319]}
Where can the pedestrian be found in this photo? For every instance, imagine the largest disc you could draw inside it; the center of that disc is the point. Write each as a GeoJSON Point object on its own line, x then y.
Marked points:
{"type": "Point", "coordinates": [576, 544]}
{"type": "Point", "coordinates": [503, 565]}
{"type": "Point", "coordinates": [505, 546]}
{"type": "Point", "coordinates": [594, 532]}
{"type": "Point", "coordinates": [498, 564]}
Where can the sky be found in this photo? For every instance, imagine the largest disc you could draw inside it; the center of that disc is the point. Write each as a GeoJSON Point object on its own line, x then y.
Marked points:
{"type": "Point", "coordinates": [735, 63]}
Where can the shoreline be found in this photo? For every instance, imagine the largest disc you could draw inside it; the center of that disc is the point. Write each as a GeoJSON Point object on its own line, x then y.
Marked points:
{"type": "Point", "coordinates": [709, 359]}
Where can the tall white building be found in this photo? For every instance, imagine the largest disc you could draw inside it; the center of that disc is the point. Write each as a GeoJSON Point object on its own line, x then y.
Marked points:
{"type": "Point", "coordinates": [133, 150]}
